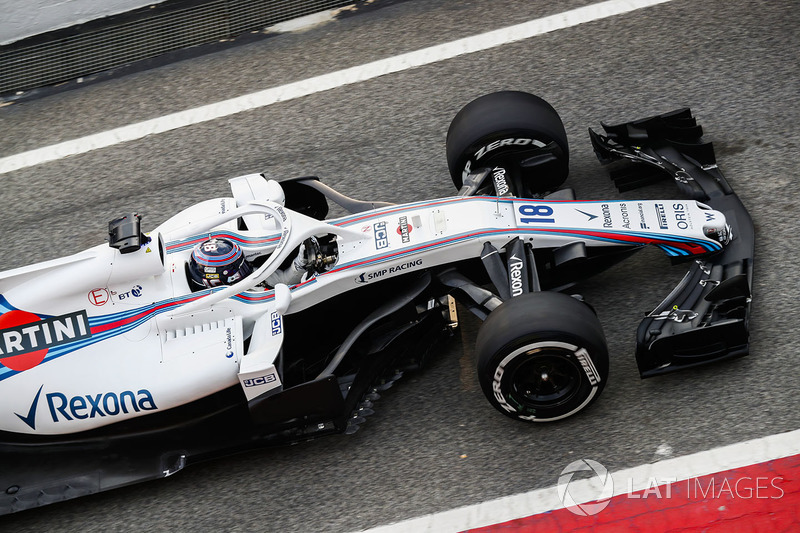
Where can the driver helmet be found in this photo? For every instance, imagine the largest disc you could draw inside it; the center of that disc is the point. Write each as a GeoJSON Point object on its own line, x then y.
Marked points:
{"type": "Point", "coordinates": [217, 262]}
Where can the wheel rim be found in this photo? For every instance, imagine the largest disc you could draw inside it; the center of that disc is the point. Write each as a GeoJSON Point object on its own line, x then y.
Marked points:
{"type": "Point", "coordinates": [545, 378]}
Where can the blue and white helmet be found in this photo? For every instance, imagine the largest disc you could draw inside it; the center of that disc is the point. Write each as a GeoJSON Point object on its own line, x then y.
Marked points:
{"type": "Point", "coordinates": [217, 262]}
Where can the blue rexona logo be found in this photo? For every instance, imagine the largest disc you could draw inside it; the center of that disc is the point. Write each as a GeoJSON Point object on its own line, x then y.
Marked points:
{"type": "Point", "coordinates": [31, 418]}
{"type": "Point", "coordinates": [81, 407]}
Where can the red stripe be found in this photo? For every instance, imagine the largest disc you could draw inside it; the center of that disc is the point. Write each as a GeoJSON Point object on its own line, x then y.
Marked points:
{"type": "Point", "coordinates": [757, 498]}
{"type": "Point", "coordinates": [226, 236]}
{"type": "Point", "coordinates": [398, 210]}
{"type": "Point", "coordinates": [462, 199]}
{"type": "Point", "coordinates": [267, 295]}
{"type": "Point", "coordinates": [119, 323]}
{"type": "Point", "coordinates": [637, 239]}
{"type": "Point", "coordinates": [418, 248]}
{"type": "Point", "coordinates": [180, 245]}
{"type": "Point", "coordinates": [242, 239]}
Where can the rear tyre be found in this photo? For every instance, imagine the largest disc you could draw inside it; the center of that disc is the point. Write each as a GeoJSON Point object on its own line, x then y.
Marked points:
{"type": "Point", "coordinates": [542, 357]}
{"type": "Point", "coordinates": [516, 131]}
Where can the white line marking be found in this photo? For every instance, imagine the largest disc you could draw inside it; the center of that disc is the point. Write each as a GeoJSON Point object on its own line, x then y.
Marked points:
{"type": "Point", "coordinates": [325, 82]}
{"type": "Point", "coordinates": [630, 480]}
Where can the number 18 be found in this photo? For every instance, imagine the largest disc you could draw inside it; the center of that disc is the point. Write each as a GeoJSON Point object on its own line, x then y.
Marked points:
{"type": "Point", "coordinates": [535, 214]}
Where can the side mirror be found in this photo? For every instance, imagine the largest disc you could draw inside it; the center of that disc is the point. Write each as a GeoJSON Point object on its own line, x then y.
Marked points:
{"type": "Point", "coordinates": [125, 233]}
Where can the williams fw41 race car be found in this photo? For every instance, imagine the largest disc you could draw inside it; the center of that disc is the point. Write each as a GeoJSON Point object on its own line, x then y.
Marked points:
{"type": "Point", "coordinates": [254, 320]}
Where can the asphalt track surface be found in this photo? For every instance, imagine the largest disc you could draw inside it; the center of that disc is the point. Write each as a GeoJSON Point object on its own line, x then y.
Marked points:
{"type": "Point", "coordinates": [434, 442]}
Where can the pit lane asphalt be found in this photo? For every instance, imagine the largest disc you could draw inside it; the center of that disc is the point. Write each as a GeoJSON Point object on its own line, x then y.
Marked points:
{"type": "Point", "coordinates": [434, 442]}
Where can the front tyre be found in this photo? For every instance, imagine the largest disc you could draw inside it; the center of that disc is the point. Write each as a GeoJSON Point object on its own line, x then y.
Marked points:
{"type": "Point", "coordinates": [542, 357]}
{"type": "Point", "coordinates": [515, 131]}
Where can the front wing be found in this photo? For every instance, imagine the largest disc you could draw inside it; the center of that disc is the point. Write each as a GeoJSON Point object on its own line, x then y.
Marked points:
{"type": "Point", "coordinates": [705, 318]}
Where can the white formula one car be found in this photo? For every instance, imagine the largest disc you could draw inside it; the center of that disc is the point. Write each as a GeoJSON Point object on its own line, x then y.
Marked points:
{"type": "Point", "coordinates": [252, 320]}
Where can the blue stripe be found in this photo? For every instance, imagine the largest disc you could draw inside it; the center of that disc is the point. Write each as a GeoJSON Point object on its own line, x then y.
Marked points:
{"type": "Point", "coordinates": [241, 240]}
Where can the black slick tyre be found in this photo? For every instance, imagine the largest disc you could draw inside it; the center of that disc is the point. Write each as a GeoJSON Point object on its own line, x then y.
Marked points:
{"type": "Point", "coordinates": [542, 357]}
{"type": "Point", "coordinates": [516, 131]}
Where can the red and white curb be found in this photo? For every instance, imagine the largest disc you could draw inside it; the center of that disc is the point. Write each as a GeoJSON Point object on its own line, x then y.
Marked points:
{"type": "Point", "coordinates": [748, 486]}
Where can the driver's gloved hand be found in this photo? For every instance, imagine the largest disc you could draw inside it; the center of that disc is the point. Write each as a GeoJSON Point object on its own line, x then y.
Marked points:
{"type": "Point", "coordinates": [293, 274]}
